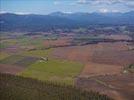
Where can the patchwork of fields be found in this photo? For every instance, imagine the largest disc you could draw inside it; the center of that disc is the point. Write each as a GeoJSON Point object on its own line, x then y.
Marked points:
{"type": "Point", "coordinates": [31, 64]}
{"type": "Point", "coordinates": [61, 61]}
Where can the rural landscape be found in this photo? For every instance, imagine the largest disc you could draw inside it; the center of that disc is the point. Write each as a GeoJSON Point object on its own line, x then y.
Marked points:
{"type": "Point", "coordinates": [67, 56]}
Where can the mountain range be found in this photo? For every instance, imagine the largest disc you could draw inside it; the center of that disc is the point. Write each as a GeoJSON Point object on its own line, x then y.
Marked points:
{"type": "Point", "coordinates": [34, 22]}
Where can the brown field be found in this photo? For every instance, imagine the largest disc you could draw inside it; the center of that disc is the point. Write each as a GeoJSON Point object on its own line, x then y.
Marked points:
{"type": "Point", "coordinates": [76, 53]}
{"type": "Point", "coordinates": [119, 87]}
{"type": "Point", "coordinates": [94, 69]}
{"type": "Point", "coordinates": [12, 69]}
{"type": "Point", "coordinates": [99, 59]}
{"type": "Point", "coordinates": [118, 37]}
{"type": "Point", "coordinates": [95, 52]}
{"type": "Point", "coordinates": [12, 49]}
{"type": "Point", "coordinates": [57, 42]}
{"type": "Point", "coordinates": [104, 63]}
{"type": "Point", "coordinates": [113, 57]}
{"type": "Point", "coordinates": [103, 71]}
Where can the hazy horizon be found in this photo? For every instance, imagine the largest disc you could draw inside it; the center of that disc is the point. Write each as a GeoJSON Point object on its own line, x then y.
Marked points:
{"type": "Point", "coordinates": [44, 7]}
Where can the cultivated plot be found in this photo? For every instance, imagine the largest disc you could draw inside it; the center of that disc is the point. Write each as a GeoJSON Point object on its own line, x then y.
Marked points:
{"type": "Point", "coordinates": [54, 70]}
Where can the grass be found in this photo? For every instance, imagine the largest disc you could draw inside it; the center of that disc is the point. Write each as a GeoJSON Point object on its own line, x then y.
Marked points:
{"type": "Point", "coordinates": [20, 88]}
{"type": "Point", "coordinates": [19, 60]}
{"type": "Point", "coordinates": [31, 41]}
{"type": "Point", "coordinates": [23, 41]}
{"type": "Point", "coordinates": [2, 46]}
{"type": "Point", "coordinates": [26, 61]}
{"type": "Point", "coordinates": [54, 70]}
{"type": "Point", "coordinates": [11, 59]}
{"type": "Point", "coordinates": [3, 55]}
{"type": "Point", "coordinates": [8, 42]}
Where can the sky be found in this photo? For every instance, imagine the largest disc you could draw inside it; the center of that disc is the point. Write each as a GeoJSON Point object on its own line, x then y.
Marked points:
{"type": "Point", "coordinates": [66, 6]}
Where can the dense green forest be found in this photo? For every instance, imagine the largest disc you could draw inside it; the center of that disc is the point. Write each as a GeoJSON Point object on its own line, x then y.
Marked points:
{"type": "Point", "coordinates": [20, 88]}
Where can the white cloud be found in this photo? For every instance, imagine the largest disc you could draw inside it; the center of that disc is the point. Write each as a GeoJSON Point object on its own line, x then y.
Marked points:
{"type": "Point", "coordinates": [67, 12]}
{"type": "Point", "coordinates": [56, 2]}
{"type": "Point", "coordinates": [129, 2]}
{"type": "Point", "coordinates": [21, 13]}
{"type": "Point", "coordinates": [2, 12]}
{"type": "Point", "coordinates": [115, 10]}
{"type": "Point", "coordinates": [104, 10]}
{"type": "Point", "coordinates": [18, 13]}
{"type": "Point", "coordinates": [124, 3]}
{"type": "Point", "coordinates": [82, 1]}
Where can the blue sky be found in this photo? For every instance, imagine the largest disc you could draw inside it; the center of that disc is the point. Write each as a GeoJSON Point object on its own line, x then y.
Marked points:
{"type": "Point", "coordinates": [68, 6]}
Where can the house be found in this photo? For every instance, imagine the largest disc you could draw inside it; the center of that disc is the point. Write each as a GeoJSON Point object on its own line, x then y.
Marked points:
{"type": "Point", "coordinates": [44, 58]}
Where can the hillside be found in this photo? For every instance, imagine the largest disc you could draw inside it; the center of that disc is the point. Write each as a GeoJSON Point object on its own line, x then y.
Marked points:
{"type": "Point", "coordinates": [19, 88]}
{"type": "Point", "coordinates": [32, 22]}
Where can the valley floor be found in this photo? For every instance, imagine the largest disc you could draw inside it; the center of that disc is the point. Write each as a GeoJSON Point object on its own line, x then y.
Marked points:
{"type": "Point", "coordinates": [97, 66]}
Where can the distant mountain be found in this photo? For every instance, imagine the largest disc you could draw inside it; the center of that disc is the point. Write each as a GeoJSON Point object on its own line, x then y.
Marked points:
{"type": "Point", "coordinates": [32, 22]}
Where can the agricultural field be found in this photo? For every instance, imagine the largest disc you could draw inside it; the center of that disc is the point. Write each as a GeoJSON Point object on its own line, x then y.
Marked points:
{"type": "Point", "coordinates": [28, 60]}
{"type": "Point", "coordinates": [103, 59]}
{"type": "Point", "coordinates": [3, 55]}
{"type": "Point", "coordinates": [75, 60]}
{"type": "Point", "coordinates": [67, 50]}
{"type": "Point", "coordinates": [117, 86]}
{"type": "Point", "coordinates": [54, 70]}
{"type": "Point", "coordinates": [37, 53]}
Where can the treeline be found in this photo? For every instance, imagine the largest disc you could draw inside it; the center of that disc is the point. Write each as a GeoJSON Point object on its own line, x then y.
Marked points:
{"type": "Point", "coordinates": [20, 88]}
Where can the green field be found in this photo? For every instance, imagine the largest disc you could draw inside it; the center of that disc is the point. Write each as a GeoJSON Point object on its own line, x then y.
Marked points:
{"type": "Point", "coordinates": [33, 50]}
{"type": "Point", "coordinates": [11, 59]}
{"type": "Point", "coordinates": [7, 42]}
{"type": "Point", "coordinates": [60, 71]}
{"type": "Point", "coordinates": [54, 70]}
{"type": "Point", "coordinates": [3, 55]}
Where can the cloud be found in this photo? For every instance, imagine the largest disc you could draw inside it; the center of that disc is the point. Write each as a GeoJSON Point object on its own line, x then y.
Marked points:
{"type": "Point", "coordinates": [129, 2]}
{"type": "Point", "coordinates": [104, 10]}
{"type": "Point", "coordinates": [1, 12]}
{"type": "Point", "coordinates": [82, 1]}
{"type": "Point", "coordinates": [97, 2]}
{"type": "Point", "coordinates": [56, 2]}
{"type": "Point", "coordinates": [21, 13]}
{"type": "Point", "coordinates": [18, 13]}
{"type": "Point", "coordinates": [126, 3]}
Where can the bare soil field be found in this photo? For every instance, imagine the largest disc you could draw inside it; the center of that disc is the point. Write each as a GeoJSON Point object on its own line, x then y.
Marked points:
{"type": "Point", "coordinates": [118, 37]}
{"type": "Point", "coordinates": [76, 53]}
{"type": "Point", "coordinates": [94, 69]}
{"type": "Point", "coordinates": [13, 49]}
{"type": "Point", "coordinates": [119, 46]}
{"type": "Point", "coordinates": [119, 87]}
{"type": "Point", "coordinates": [101, 58]}
{"type": "Point", "coordinates": [12, 69]}
{"type": "Point", "coordinates": [104, 63]}
{"type": "Point", "coordinates": [113, 57]}
{"type": "Point", "coordinates": [57, 42]}
{"type": "Point", "coordinates": [95, 52]}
